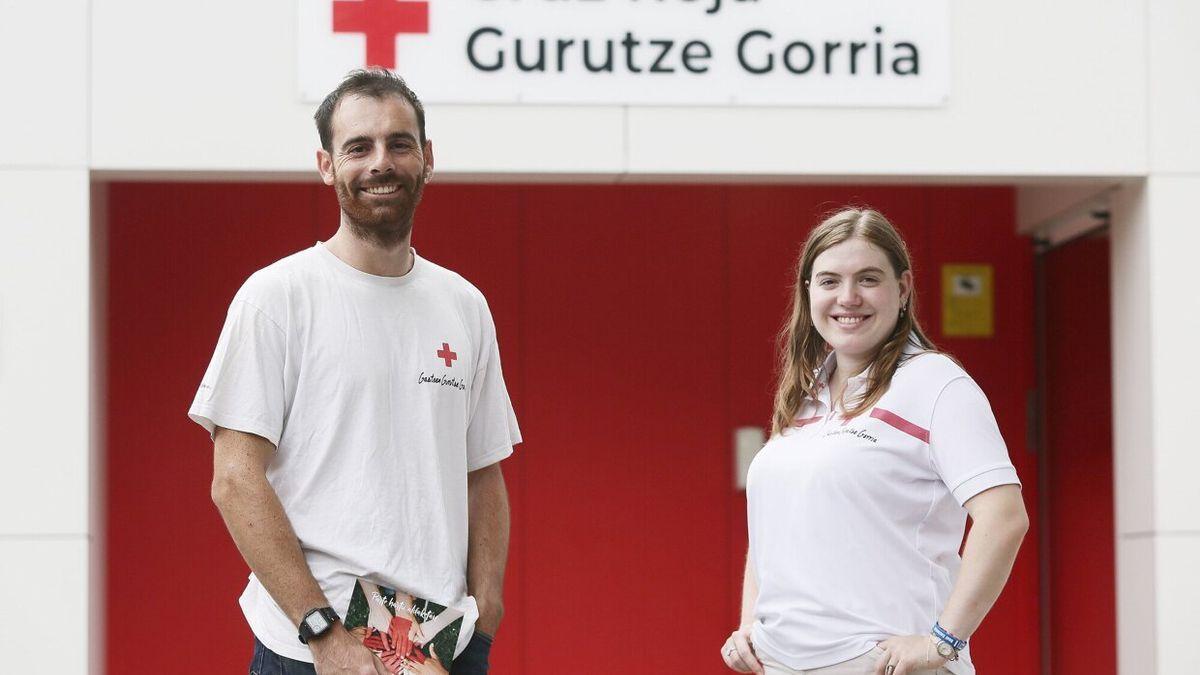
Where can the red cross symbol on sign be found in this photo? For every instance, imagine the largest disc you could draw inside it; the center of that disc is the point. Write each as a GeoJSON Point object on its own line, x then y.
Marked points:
{"type": "Point", "coordinates": [381, 21]}
{"type": "Point", "coordinates": [445, 353]}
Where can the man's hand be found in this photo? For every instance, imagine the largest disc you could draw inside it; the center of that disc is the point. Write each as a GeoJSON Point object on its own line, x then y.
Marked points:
{"type": "Point", "coordinates": [491, 611]}
{"type": "Point", "coordinates": [487, 551]}
{"type": "Point", "coordinates": [338, 653]}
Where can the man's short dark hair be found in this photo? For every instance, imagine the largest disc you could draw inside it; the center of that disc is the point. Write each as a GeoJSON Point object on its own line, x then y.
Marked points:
{"type": "Point", "coordinates": [374, 82]}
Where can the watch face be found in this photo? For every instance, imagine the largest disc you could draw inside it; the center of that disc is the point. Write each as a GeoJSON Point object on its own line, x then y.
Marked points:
{"type": "Point", "coordinates": [945, 650]}
{"type": "Point", "coordinates": [316, 623]}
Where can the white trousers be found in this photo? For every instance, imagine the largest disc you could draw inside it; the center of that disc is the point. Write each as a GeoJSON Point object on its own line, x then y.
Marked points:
{"type": "Point", "coordinates": [862, 665]}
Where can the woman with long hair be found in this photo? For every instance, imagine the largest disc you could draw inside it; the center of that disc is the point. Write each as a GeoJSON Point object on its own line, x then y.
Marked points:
{"type": "Point", "coordinates": [880, 447]}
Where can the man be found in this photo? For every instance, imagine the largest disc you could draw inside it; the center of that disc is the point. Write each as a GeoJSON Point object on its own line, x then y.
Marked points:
{"type": "Point", "coordinates": [359, 415]}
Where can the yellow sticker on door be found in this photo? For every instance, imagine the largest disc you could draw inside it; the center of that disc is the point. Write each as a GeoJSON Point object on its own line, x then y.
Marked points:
{"type": "Point", "coordinates": [967, 301]}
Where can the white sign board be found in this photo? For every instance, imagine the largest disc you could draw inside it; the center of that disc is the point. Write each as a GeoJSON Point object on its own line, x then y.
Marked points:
{"type": "Point", "coordinates": [649, 52]}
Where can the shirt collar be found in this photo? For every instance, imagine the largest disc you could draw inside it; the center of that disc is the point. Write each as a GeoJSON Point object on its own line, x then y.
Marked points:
{"type": "Point", "coordinates": [823, 372]}
{"type": "Point", "coordinates": [911, 348]}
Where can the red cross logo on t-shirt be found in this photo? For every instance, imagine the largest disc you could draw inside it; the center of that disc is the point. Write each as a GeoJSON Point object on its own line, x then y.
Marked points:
{"type": "Point", "coordinates": [445, 353]}
{"type": "Point", "coordinates": [381, 21]}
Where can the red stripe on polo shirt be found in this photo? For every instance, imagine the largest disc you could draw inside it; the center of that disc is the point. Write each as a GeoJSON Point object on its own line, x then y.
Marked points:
{"type": "Point", "coordinates": [900, 423]}
{"type": "Point", "coordinates": [806, 421]}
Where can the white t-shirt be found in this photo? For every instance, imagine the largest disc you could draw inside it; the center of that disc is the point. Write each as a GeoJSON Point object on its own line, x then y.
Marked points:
{"type": "Point", "coordinates": [380, 394]}
{"type": "Point", "coordinates": [855, 525]}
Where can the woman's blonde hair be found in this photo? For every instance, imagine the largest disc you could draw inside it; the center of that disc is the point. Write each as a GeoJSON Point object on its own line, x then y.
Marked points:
{"type": "Point", "coordinates": [803, 350]}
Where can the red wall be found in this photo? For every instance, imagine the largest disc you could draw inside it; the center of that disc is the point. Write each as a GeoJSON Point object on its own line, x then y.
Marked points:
{"type": "Point", "coordinates": [636, 325]}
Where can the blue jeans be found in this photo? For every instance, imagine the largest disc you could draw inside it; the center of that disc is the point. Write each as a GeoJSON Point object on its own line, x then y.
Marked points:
{"type": "Point", "coordinates": [473, 660]}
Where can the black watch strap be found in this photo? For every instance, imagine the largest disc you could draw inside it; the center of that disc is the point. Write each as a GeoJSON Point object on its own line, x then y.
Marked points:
{"type": "Point", "coordinates": [316, 622]}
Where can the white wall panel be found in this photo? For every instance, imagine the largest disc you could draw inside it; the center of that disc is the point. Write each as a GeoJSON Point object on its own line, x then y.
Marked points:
{"type": "Point", "coordinates": [45, 587]}
{"type": "Point", "coordinates": [1174, 85]}
{"type": "Point", "coordinates": [531, 139]}
{"type": "Point", "coordinates": [44, 321]}
{"type": "Point", "coordinates": [1156, 318]}
{"type": "Point", "coordinates": [1175, 323]}
{"type": "Point", "coordinates": [1178, 597]}
{"type": "Point", "coordinates": [1134, 455]}
{"type": "Point", "coordinates": [197, 85]}
{"type": "Point", "coordinates": [44, 77]}
{"type": "Point", "coordinates": [1136, 605]}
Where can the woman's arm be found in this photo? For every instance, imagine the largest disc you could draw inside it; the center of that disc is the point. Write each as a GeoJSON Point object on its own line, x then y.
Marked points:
{"type": "Point", "coordinates": [998, 524]}
{"type": "Point", "coordinates": [749, 594]}
{"type": "Point", "coordinates": [738, 652]}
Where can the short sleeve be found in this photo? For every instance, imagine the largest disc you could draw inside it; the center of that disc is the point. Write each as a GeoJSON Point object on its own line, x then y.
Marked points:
{"type": "Point", "coordinates": [967, 450]}
{"type": "Point", "coordinates": [492, 430]}
{"type": "Point", "coordinates": [243, 388]}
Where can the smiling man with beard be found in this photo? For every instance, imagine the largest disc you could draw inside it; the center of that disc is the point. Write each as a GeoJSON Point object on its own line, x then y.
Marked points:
{"type": "Point", "coordinates": [337, 455]}
{"type": "Point", "coordinates": [378, 161]}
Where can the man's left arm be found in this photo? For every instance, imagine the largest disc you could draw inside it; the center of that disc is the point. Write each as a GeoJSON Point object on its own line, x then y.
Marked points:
{"type": "Point", "coordinates": [487, 550]}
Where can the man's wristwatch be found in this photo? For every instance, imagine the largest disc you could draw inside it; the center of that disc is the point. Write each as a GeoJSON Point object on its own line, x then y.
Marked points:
{"type": "Point", "coordinates": [948, 645]}
{"type": "Point", "coordinates": [316, 623]}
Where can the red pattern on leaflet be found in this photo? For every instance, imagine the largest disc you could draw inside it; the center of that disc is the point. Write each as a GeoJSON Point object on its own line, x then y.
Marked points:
{"type": "Point", "coordinates": [394, 647]}
{"type": "Point", "coordinates": [900, 423]}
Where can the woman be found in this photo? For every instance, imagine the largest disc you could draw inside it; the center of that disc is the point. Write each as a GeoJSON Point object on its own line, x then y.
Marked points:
{"type": "Point", "coordinates": [856, 504]}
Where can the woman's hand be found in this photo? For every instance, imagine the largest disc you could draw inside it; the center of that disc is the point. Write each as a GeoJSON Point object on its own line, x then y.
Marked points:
{"type": "Point", "coordinates": [415, 634]}
{"type": "Point", "coordinates": [908, 654]}
{"type": "Point", "coordinates": [739, 654]}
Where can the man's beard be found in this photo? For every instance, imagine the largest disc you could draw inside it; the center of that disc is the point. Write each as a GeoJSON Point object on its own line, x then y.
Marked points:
{"type": "Point", "coordinates": [381, 225]}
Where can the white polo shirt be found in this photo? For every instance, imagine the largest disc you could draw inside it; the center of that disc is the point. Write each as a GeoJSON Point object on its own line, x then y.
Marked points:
{"type": "Point", "coordinates": [855, 525]}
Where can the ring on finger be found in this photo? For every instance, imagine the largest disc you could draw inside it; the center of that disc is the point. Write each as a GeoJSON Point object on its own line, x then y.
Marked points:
{"type": "Point", "coordinates": [890, 669]}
